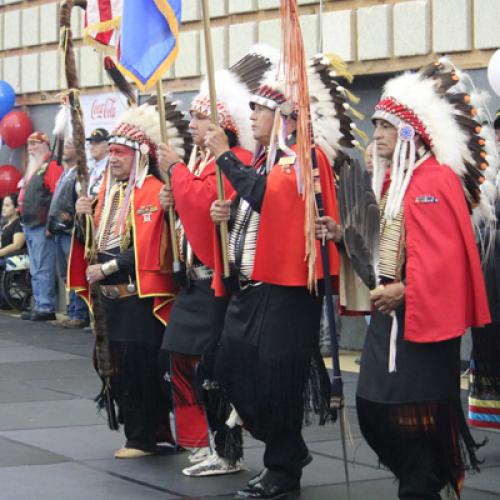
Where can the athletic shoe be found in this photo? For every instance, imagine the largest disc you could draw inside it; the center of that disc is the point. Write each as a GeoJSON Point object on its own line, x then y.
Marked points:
{"type": "Point", "coordinates": [198, 454]}
{"type": "Point", "coordinates": [212, 466]}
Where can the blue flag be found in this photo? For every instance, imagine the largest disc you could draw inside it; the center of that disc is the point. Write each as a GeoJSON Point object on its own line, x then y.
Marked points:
{"type": "Point", "coordinates": [149, 39]}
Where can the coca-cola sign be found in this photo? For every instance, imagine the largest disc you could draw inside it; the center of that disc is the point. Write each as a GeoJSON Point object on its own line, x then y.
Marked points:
{"type": "Point", "coordinates": [102, 110]}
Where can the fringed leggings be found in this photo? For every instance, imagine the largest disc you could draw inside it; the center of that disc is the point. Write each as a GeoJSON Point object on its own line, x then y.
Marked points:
{"type": "Point", "coordinates": [427, 446]}
{"type": "Point", "coordinates": [135, 387]}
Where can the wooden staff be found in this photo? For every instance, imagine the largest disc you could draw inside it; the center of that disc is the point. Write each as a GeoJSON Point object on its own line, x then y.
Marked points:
{"type": "Point", "coordinates": [103, 361]}
{"type": "Point", "coordinates": [176, 265]}
{"type": "Point", "coordinates": [213, 114]}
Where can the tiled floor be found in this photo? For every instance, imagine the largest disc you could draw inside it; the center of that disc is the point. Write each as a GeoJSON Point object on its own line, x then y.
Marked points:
{"type": "Point", "coordinates": [55, 446]}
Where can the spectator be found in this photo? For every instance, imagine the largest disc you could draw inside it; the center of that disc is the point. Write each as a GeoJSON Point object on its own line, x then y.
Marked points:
{"type": "Point", "coordinates": [99, 151]}
{"type": "Point", "coordinates": [37, 188]}
{"type": "Point", "coordinates": [12, 240]}
{"type": "Point", "coordinates": [60, 224]}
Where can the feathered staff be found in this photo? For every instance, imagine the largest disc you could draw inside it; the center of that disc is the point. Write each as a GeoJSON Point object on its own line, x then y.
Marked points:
{"type": "Point", "coordinates": [102, 359]}
{"type": "Point", "coordinates": [297, 87]}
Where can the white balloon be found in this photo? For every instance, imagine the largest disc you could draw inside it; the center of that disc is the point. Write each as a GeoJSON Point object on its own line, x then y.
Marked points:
{"type": "Point", "coordinates": [494, 72]}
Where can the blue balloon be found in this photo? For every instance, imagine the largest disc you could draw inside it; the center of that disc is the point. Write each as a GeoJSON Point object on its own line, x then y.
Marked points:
{"type": "Point", "coordinates": [7, 98]}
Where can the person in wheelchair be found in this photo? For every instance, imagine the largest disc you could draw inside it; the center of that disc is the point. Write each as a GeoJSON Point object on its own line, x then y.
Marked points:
{"type": "Point", "coordinates": [12, 240]}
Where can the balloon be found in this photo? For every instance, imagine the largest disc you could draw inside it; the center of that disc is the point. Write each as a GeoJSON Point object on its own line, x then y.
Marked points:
{"type": "Point", "coordinates": [7, 98]}
{"type": "Point", "coordinates": [494, 72]}
{"type": "Point", "coordinates": [9, 179]}
{"type": "Point", "coordinates": [15, 129]}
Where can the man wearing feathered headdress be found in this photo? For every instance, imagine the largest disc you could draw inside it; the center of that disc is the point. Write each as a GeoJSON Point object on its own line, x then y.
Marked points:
{"type": "Point", "coordinates": [270, 339]}
{"type": "Point", "coordinates": [190, 333]}
{"type": "Point", "coordinates": [430, 283]}
{"type": "Point", "coordinates": [133, 274]}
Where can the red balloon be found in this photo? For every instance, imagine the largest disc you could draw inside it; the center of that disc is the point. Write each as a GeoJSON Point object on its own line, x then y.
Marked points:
{"type": "Point", "coordinates": [15, 129]}
{"type": "Point", "coordinates": [9, 179]}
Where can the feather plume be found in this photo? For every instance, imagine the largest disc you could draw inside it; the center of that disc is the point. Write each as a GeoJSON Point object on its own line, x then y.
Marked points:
{"type": "Point", "coordinates": [119, 80]}
{"type": "Point", "coordinates": [360, 217]}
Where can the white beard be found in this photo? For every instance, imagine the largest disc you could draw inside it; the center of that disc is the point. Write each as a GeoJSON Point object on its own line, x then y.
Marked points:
{"type": "Point", "coordinates": [34, 163]}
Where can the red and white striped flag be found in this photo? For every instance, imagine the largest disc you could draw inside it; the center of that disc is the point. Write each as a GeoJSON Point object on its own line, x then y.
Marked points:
{"type": "Point", "coordinates": [102, 23]}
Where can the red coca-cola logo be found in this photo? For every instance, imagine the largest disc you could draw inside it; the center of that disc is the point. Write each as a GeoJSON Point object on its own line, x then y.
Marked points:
{"type": "Point", "coordinates": [104, 110]}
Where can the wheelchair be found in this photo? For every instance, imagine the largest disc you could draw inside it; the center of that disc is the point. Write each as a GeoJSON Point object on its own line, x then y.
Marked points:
{"type": "Point", "coordinates": [15, 282]}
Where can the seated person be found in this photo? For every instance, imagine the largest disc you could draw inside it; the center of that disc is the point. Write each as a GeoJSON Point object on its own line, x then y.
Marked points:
{"type": "Point", "coordinates": [12, 241]}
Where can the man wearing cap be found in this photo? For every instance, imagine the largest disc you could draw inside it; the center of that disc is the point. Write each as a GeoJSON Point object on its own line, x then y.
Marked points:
{"type": "Point", "coordinates": [37, 188]}
{"type": "Point", "coordinates": [60, 224]}
{"type": "Point", "coordinates": [99, 151]}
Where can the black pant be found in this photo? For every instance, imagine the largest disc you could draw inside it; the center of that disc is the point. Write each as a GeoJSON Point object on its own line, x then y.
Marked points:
{"type": "Point", "coordinates": [135, 386]}
{"type": "Point", "coordinates": [419, 476]}
{"type": "Point", "coordinates": [413, 460]}
{"type": "Point", "coordinates": [284, 455]}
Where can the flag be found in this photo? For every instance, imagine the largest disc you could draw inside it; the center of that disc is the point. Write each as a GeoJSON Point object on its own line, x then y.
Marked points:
{"type": "Point", "coordinates": [149, 39]}
{"type": "Point", "coordinates": [102, 21]}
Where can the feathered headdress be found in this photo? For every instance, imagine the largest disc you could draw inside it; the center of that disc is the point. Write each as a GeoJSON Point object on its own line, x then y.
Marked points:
{"type": "Point", "coordinates": [434, 104]}
{"type": "Point", "coordinates": [233, 87]}
{"type": "Point", "coordinates": [332, 106]}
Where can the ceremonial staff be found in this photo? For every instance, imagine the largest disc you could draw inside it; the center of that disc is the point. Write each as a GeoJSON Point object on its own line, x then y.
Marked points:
{"type": "Point", "coordinates": [176, 264]}
{"type": "Point", "coordinates": [102, 353]}
{"type": "Point", "coordinates": [337, 396]}
{"type": "Point", "coordinates": [297, 85]}
{"type": "Point", "coordinates": [213, 109]}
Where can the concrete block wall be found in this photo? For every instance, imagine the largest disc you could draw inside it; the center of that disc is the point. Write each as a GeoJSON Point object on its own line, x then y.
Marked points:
{"type": "Point", "coordinates": [451, 25]}
{"type": "Point", "coordinates": [374, 33]}
{"type": "Point", "coordinates": [411, 24]}
{"type": "Point", "coordinates": [376, 37]}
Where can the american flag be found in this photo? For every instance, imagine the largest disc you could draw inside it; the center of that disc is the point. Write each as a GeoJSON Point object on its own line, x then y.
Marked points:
{"type": "Point", "coordinates": [102, 23]}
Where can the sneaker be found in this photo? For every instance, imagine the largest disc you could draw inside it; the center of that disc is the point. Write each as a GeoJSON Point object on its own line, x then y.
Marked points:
{"type": "Point", "coordinates": [212, 466]}
{"type": "Point", "coordinates": [199, 454]}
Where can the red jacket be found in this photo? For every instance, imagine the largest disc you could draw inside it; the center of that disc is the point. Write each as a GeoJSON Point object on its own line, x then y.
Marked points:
{"type": "Point", "coordinates": [194, 196]}
{"type": "Point", "coordinates": [280, 248]}
{"type": "Point", "coordinates": [445, 292]}
{"type": "Point", "coordinates": [150, 236]}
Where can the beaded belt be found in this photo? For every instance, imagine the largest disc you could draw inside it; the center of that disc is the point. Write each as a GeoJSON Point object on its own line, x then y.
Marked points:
{"type": "Point", "coordinates": [200, 273]}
